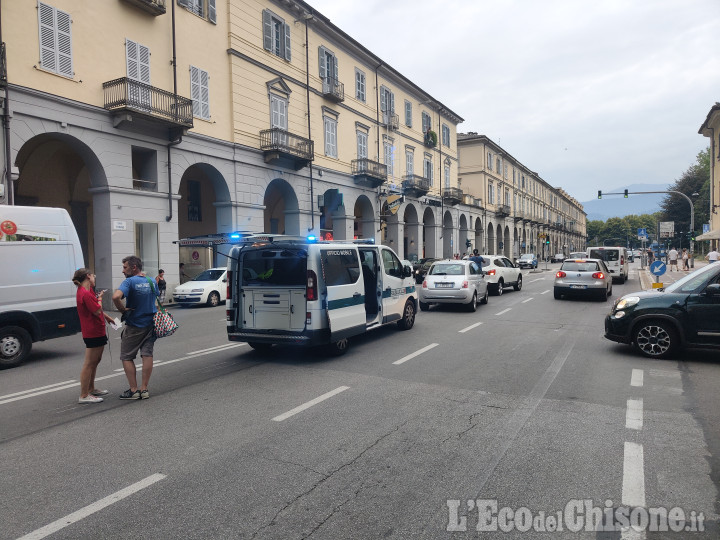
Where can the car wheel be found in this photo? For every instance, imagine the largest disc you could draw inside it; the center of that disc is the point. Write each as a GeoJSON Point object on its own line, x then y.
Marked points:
{"type": "Point", "coordinates": [408, 318]}
{"type": "Point", "coordinates": [213, 299]}
{"type": "Point", "coordinates": [424, 306]}
{"type": "Point", "coordinates": [484, 299]}
{"type": "Point", "coordinates": [604, 295]}
{"type": "Point", "coordinates": [655, 339]}
{"type": "Point", "coordinates": [610, 291]}
{"type": "Point", "coordinates": [518, 283]}
{"type": "Point", "coordinates": [338, 348]}
{"type": "Point", "coordinates": [263, 348]}
{"type": "Point", "coordinates": [557, 295]}
{"type": "Point", "coordinates": [500, 285]}
{"type": "Point", "coordinates": [15, 345]}
{"type": "Point", "coordinates": [472, 305]}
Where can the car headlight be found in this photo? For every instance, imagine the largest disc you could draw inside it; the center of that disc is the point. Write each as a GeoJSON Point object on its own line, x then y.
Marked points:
{"type": "Point", "coordinates": [627, 302]}
{"type": "Point", "coordinates": [197, 290]}
{"type": "Point", "coordinates": [619, 314]}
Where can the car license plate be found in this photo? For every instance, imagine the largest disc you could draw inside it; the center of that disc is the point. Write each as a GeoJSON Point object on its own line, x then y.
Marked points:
{"type": "Point", "coordinates": [578, 286]}
{"type": "Point", "coordinates": [443, 285]}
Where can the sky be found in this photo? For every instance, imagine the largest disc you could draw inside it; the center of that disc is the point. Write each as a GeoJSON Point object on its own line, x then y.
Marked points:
{"type": "Point", "coordinates": [589, 94]}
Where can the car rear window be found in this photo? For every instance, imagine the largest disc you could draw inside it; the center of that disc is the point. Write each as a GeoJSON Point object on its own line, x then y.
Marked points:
{"type": "Point", "coordinates": [448, 270]}
{"type": "Point", "coordinates": [605, 254]}
{"type": "Point", "coordinates": [276, 267]}
{"type": "Point", "coordinates": [580, 266]}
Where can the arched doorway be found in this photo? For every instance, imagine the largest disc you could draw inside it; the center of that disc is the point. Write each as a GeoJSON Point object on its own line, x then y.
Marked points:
{"type": "Point", "coordinates": [331, 223]}
{"type": "Point", "coordinates": [412, 233]}
{"type": "Point", "coordinates": [364, 226]}
{"type": "Point", "coordinates": [491, 240]}
{"type": "Point", "coordinates": [282, 212]}
{"type": "Point", "coordinates": [464, 236]}
{"type": "Point", "coordinates": [429, 235]}
{"type": "Point", "coordinates": [448, 236]}
{"type": "Point", "coordinates": [508, 246]}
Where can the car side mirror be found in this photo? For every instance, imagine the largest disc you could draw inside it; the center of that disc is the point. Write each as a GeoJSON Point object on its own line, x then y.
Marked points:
{"type": "Point", "coordinates": [713, 290]}
{"type": "Point", "coordinates": [224, 280]}
{"type": "Point", "coordinates": [407, 271]}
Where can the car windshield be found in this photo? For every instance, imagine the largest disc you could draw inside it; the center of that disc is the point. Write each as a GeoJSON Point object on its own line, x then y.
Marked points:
{"type": "Point", "coordinates": [605, 254]}
{"type": "Point", "coordinates": [694, 281]}
{"type": "Point", "coordinates": [209, 275]}
{"type": "Point", "coordinates": [447, 270]}
{"type": "Point", "coordinates": [587, 266]}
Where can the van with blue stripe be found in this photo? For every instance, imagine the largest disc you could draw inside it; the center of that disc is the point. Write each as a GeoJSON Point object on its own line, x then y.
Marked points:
{"type": "Point", "coordinates": [294, 290]}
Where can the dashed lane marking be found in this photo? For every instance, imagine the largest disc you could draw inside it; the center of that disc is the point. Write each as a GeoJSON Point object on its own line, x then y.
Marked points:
{"type": "Point", "coordinates": [634, 414]}
{"type": "Point", "coordinates": [637, 377]}
{"type": "Point", "coordinates": [503, 311]}
{"type": "Point", "coordinates": [526, 301]}
{"type": "Point", "coordinates": [310, 403]}
{"type": "Point", "coordinates": [545, 292]}
{"type": "Point", "coordinates": [469, 328]}
{"type": "Point", "coordinates": [416, 353]}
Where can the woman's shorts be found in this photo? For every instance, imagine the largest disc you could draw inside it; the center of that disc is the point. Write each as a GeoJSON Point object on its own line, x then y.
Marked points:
{"type": "Point", "coordinates": [93, 342]}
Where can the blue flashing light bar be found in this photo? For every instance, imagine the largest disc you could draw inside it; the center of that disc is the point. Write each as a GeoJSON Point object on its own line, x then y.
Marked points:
{"type": "Point", "coordinates": [312, 238]}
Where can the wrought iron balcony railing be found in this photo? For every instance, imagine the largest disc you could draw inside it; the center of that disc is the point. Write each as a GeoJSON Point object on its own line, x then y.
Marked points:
{"type": "Point", "coordinates": [368, 172]}
{"type": "Point", "coordinates": [154, 7]}
{"type": "Point", "coordinates": [391, 121]}
{"type": "Point", "coordinates": [125, 94]}
{"type": "Point", "coordinates": [333, 90]}
{"type": "Point", "coordinates": [279, 144]}
{"type": "Point", "coordinates": [415, 185]}
{"type": "Point", "coordinates": [503, 210]}
{"type": "Point", "coordinates": [452, 195]}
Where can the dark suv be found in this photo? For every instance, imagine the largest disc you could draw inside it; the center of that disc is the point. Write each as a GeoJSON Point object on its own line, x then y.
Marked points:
{"type": "Point", "coordinates": [658, 322]}
{"type": "Point", "coordinates": [421, 267]}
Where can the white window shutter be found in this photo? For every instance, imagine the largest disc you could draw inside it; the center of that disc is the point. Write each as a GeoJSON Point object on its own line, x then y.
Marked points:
{"type": "Point", "coordinates": [195, 90]}
{"type": "Point", "coordinates": [183, 3]}
{"type": "Point", "coordinates": [205, 94]}
{"type": "Point", "coordinates": [287, 42]}
{"type": "Point", "coordinates": [144, 64]}
{"type": "Point", "coordinates": [267, 30]}
{"type": "Point", "coordinates": [212, 12]}
{"type": "Point", "coordinates": [64, 43]}
{"type": "Point", "coordinates": [48, 55]}
{"type": "Point", "coordinates": [132, 59]}
{"type": "Point", "coordinates": [322, 62]}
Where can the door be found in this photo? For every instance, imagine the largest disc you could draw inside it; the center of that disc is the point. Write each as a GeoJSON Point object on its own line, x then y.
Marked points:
{"type": "Point", "coordinates": [278, 119]}
{"type": "Point", "coordinates": [393, 290]}
{"type": "Point", "coordinates": [345, 292]}
{"type": "Point", "coordinates": [704, 314]}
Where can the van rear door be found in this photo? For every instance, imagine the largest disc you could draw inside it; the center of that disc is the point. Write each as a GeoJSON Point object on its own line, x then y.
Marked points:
{"type": "Point", "coordinates": [393, 288]}
{"type": "Point", "coordinates": [344, 291]}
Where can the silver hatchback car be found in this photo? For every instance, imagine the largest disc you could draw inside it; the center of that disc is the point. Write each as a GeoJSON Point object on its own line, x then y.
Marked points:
{"type": "Point", "coordinates": [583, 277]}
{"type": "Point", "coordinates": [453, 282]}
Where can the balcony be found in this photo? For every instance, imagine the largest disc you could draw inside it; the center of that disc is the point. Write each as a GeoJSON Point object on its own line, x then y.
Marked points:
{"type": "Point", "coordinates": [286, 149]}
{"type": "Point", "coordinates": [519, 215]}
{"type": "Point", "coordinates": [368, 173]}
{"type": "Point", "coordinates": [333, 90]}
{"type": "Point", "coordinates": [452, 196]}
{"type": "Point", "coordinates": [391, 121]}
{"type": "Point", "coordinates": [415, 186]}
{"type": "Point", "coordinates": [503, 210]}
{"type": "Point", "coordinates": [140, 105]}
{"type": "Point", "coordinates": [153, 7]}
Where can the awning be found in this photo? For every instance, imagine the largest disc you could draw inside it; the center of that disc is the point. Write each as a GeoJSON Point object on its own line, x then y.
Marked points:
{"type": "Point", "coordinates": [712, 235]}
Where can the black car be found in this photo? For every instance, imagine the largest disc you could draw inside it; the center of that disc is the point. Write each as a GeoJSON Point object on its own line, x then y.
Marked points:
{"type": "Point", "coordinates": [421, 267]}
{"type": "Point", "coordinates": [659, 322]}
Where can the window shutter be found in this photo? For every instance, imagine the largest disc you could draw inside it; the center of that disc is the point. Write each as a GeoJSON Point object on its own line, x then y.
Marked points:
{"type": "Point", "coordinates": [205, 94]}
{"type": "Point", "coordinates": [287, 42]}
{"type": "Point", "coordinates": [144, 64]}
{"type": "Point", "coordinates": [46, 16]}
{"type": "Point", "coordinates": [383, 99]}
{"type": "Point", "coordinates": [132, 59]}
{"type": "Point", "coordinates": [335, 69]}
{"type": "Point", "coordinates": [322, 62]}
{"type": "Point", "coordinates": [183, 3]}
{"type": "Point", "coordinates": [392, 103]}
{"type": "Point", "coordinates": [267, 30]}
{"type": "Point", "coordinates": [212, 13]}
{"type": "Point", "coordinates": [64, 43]}
{"type": "Point", "coordinates": [195, 90]}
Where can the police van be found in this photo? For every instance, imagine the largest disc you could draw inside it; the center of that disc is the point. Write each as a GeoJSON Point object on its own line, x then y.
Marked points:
{"type": "Point", "coordinates": [294, 290]}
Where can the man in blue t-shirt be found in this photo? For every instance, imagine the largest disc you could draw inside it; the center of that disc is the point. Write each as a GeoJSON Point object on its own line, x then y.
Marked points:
{"type": "Point", "coordinates": [139, 294]}
{"type": "Point", "coordinates": [477, 259]}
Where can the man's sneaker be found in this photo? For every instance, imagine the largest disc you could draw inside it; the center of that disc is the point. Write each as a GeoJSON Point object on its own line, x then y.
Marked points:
{"type": "Point", "coordinates": [129, 394]}
{"type": "Point", "coordinates": [90, 399]}
{"type": "Point", "coordinates": [144, 394]}
{"type": "Point", "coordinates": [98, 392]}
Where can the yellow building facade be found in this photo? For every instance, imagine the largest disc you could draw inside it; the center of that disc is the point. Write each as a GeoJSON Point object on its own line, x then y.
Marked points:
{"type": "Point", "coordinates": [711, 129]}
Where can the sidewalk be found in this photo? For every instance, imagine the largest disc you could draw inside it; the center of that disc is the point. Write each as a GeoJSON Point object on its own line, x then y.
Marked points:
{"type": "Point", "coordinates": [647, 279]}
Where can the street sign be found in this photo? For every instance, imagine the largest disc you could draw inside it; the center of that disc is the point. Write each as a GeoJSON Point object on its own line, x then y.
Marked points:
{"type": "Point", "coordinates": [667, 229]}
{"type": "Point", "coordinates": [657, 268]}
{"type": "Point", "coordinates": [706, 228]}
{"type": "Point", "coordinates": [642, 234]}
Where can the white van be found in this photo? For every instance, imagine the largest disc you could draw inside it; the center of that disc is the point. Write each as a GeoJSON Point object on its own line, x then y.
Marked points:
{"type": "Point", "coordinates": [39, 253]}
{"type": "Point", "coordinates": [615, 258]}
{"type": "Point", "coordinates": [284, 289]}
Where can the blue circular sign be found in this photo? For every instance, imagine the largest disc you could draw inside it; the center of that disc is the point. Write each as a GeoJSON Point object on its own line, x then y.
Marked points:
{"type": "Point", "coordinates": [657, 268]}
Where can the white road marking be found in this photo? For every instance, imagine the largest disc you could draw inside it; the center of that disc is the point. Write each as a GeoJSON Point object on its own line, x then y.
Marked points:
{"type": "Point", "coordinates": [633, 490]}
{"type": "Point", "coordinates": [538, 279]}
{"type": "Point", "coordinates": [503, 311]}
{"type": "Point", "coordinates": [416, 353]}
{"type": "Point", "coordinates": [637, 377]}
{"type": "Point", "coordinates": [634, 414]}
{"type": "Point", "coordinates": [545, 292]}
{"type": "Point", "coordinates": [36, 389]}
{"type": "Point", "coordinates": [469, 328]}
{"type": "Point", "coordinates": [310, 403]}
{"type": "Point", "coordinates": [526, 301]}
{"type": "Point", "coordinates": [226, 346]}
{"type": "Point", "coordinates": [92, 508]}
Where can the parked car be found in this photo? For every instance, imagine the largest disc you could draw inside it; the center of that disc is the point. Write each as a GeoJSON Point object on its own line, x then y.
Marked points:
{"type": "Point", "coordinates": [528, 260]}
{"type": "Point", "coordinates": [583, 277]}
{"type": "Point", "coordinates": [500, 272]}
{"type": "Point", "coordinates": [453, 282]}
{"type": "Point", "coordinates": [208, 287]}
{"type": "Point", "coordinates": [615, 258]}
{"type": "Point", "coordinates": [420, 269]}
{"type": "Point", "coordinates": [558, 257]}
{"type": "Point", "coordinates": [660, 322]}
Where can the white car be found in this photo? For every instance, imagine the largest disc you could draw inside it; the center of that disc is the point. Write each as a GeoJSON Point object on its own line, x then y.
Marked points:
{"type": "Point", "coordinates": [500, 272]}
{"type": "Point", "coordinates": [208, 287]}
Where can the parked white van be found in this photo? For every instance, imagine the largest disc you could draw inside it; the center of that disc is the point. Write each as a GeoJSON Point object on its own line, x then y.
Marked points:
{"type": "Point", "coordinates": [39, 253]}
{"type": "Point", "coordinates": [615, 258]}
{"type": "Point", "coordinates": [284, 289]}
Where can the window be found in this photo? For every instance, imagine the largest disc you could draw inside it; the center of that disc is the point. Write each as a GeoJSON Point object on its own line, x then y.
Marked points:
{"type": "Point", "coordinates": [362, 145]}
{"type": "Point", "coordinates": [340, 266]}
{"type": "Point", "coordinates": [387, 104]}
{"type": "Point", "coordinates": [276, 35]}
{"type": "Point", "coordinates": [359, 85]}
{"type": "Point", "coordinates": [388, 150]}
{"type": "Point", "coordinates": [144, 168]}
{"type": "Point", "coordinates": [445, 135]}
{"type": "Point", "coordinates": [278, 112]}
{"type": "Point", "coordinates": [200, 92]}
{"type": "Point", "coordinates": [490, 161]}
{"type": "Point", "coordinates": [507, 197]}
{"type": "Point", "coordinates": [497, 165]}
{"type": "Point", "coordinates": [55, 40]}
{"type": "Point", "coordinates": [408, 113]}
{"type": "Point", "coordinates": [138, 69]}
{"type": "Point", "coordinates": [392, 264]}
{"type": "Point", "coordinates": [201, 8]}
{"type": "Point", "coordinates": [491, 194]}
{"type": "Point", "coordinates": [194, 201]}
{"type": "Point", "coordinates": [409, 162]}
{"type": "Point", "coordinates": [428, 169]}
{"type": "Point", "coordinates": [328, 65]}
{"type": "Point", "coordinates": [146, 241]}
{"type": "Point", "coordinates": [426, 122]}
{"type": "Point", "coordinates": [447, 175]}
{"type": "Point", "coordinates": [330, 136]}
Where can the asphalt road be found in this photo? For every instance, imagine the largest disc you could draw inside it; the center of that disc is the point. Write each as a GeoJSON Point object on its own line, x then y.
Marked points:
{"type": "Point", "coordinates": [523, 405]}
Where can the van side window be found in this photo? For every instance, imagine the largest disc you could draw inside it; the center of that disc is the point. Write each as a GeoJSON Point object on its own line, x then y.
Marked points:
{"type": "Point", "coordinates": [340, 266]}
{"type": "Point", "coordinates": [392, 264]}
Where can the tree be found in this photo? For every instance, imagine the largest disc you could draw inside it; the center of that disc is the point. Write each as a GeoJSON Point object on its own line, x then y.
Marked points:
{"type": "Point", "coordinates": [695, 180]}
{"type": "Point", "coordinates": [621, 230]}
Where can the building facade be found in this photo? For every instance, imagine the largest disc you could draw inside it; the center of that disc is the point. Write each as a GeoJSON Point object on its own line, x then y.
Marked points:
{"type": "Point", "coordinates": [711, 129]}
{"type": "Point", "coordinates": [522, 212]}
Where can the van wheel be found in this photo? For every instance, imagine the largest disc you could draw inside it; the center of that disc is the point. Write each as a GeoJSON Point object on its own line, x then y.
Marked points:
{"type": "Point", "coordinates": [15, 345]}
{"type": "Point", "coordinates": [656, 339]}
{"type": "Point", "coordinates": [214, 299]}
{"type": "Point", "coordinates": [424, 306]}
{"type": "Point", "coordinates": [472, 305]}
{"type": "Point", "coordinates": [408, 318]}
{"type": "Point", "coordinates": [263, 348]}
{"type": "Point", "coordinates": [518, 283]}
{"type": "Point", "coordinates": [338, 348]}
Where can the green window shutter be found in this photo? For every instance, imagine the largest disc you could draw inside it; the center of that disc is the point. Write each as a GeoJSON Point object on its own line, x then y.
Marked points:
{"type": "Point", "coordinates": [267, 30]}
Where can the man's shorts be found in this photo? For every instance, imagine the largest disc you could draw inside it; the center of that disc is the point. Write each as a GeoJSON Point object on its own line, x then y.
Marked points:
{"type": "Point", "coordinates": [135, 339]}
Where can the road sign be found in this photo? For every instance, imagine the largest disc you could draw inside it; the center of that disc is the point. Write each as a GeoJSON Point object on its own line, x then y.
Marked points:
{"type": "Point", "coordinates": [706, 228]}
{"type": "Point", "coordinates": [667, 229]}
{"type": "Point", "coordinates": [657, 268]}
{"type": "Point", "coordinates": [642, 234]}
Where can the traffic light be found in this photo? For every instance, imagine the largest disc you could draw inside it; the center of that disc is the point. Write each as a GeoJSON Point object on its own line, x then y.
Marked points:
{"type": "Point", "coordinates": [547, 240]}
{"type": "Point", "coordinates": [626, 193]}
{"type": "Point", "coordinates": [468, 243]}
{"type": "Point", "coordinates": [599, 194]}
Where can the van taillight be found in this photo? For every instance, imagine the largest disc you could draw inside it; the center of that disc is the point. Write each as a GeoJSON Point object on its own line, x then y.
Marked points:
{"type": "Point", "coordinates": [311, 291]}
{"type": "Point", "coordinates": [229, 285]}
{"type": "Point", "coordinates": [622, 260]}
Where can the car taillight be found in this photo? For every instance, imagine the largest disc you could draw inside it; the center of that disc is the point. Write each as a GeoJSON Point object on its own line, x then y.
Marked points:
{"type": "Point", "coordinates": [622, 260]}
{"type": "Point", "coordinates": [424, 283]}
{"type": "Point", "coordinates": [560, 274]}
{"type": "Point", "coordinates": [229, 285]}
{"type": "Point", "coordinates": [598, 275]}
{"type": "Point", "coordinates": [465, 285]}
{"type": "Point", "coordinates": [491, 272]}
{"type": "Point", "coordinates": [311, 292]}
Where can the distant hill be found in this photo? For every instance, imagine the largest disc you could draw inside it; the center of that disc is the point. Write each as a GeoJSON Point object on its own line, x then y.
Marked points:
{"type": "Point", "coordinates": [618, 206]}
